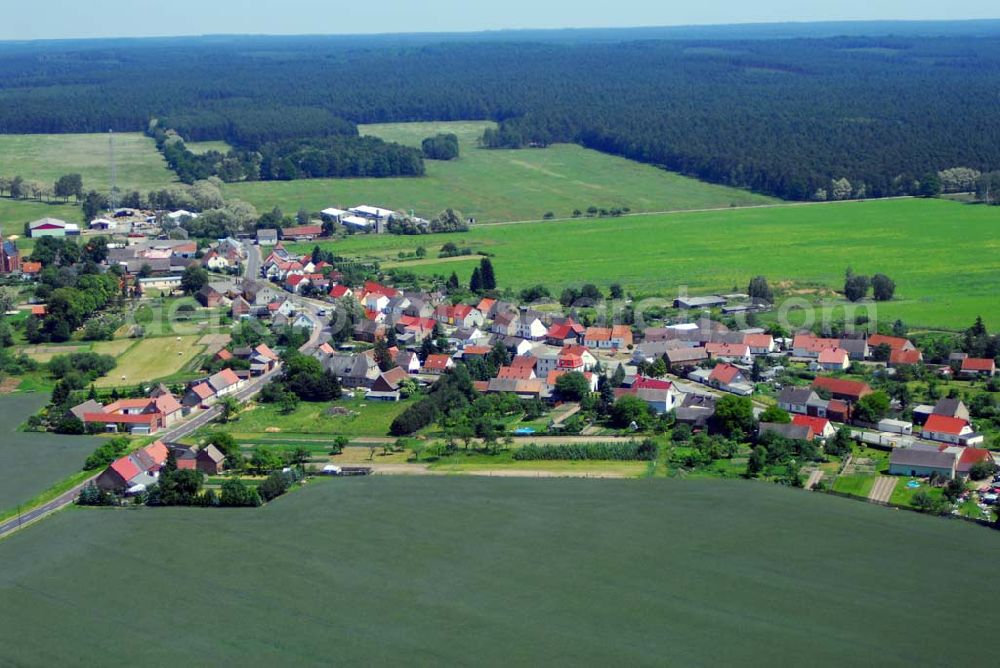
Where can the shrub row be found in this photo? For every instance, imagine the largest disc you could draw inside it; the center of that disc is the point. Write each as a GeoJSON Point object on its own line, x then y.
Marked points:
{"type": "Point", "coordinates": [645, 450]}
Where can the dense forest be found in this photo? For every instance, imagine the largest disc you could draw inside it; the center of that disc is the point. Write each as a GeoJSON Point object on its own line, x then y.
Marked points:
{"type": "Point", "coordinates": [798, 117]}
{"type": "Point", "coordinates": [336, 154]}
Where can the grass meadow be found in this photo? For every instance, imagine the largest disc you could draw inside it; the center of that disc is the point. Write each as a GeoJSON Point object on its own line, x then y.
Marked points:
{"type": "Point", "coordinates": [458, 570]}
{"type": "Point", "coordinates": [152, 359]}
{"type": "Point", "coordinates": [47, 157]}
{"type": "Point", "coordinates": [312, 419]}
{"type": "Point", "coordinates": [30, 462]}
{"type": "Point", "coordinates": [15, 213]}
{"type": "Point", "coordinates": [200, 147]}
{"type": "Point", "coordinates": [944, 256]}
{"type": "Point", "coordinates": [500, 185]}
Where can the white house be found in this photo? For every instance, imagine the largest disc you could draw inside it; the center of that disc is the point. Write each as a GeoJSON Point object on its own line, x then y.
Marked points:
{"type": "Point", "coordinates": [530, 326]}
{"type": "Point", "coordinates": [225, 382]}
{"type": "Point", "coordinates": [181, 214]}
{"type": "Point", "coordinates": [953, 430]}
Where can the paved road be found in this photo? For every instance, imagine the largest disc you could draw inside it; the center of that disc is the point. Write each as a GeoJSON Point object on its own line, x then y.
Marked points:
{"type": "Point", "coordinates": [180, 431]}
{"type": "Point", "coordinates": [37, 513]}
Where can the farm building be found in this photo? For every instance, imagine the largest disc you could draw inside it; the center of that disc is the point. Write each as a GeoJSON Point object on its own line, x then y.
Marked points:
{"type": "Point", "coordinates": [796, 399]}
{"type": "Point", "coordinates": [973, 367]}
{"type": "Point", "coordinates": [302, 233]}
{"type": "Point", "coordinates": [52, 227]}
{"type": "Point", "coordinates": [267, 237]}
{"type": "Point", "coordinates": [135, 472]}
{"type": "Point", "coordinates": [891, 426]}
{"type": "Point", "coordinates": [794, 432]}
{"type": "Point", "coordinates": [821, 427]}
{"type": "Point", "coordinates": [841, 388]}
{"type": "Point", "coordinates": [922, 462]}
{"type": "Point", "coordinates": [954, 430]}
{"type": "Point", "coordinates": [710, 301]}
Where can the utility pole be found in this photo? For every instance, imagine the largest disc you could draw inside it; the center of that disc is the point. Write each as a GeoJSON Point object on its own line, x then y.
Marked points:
{"type": "Point", "coordinates": [113, 197]}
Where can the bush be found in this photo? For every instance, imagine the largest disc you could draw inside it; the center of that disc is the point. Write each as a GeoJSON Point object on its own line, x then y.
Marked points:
{"type": "Point", "coordinates": [106, 453]}
{"type": "Point", "coordinates": [628, 409]}
{"type": "Point", "coordinates": [646, 450]}
{"type": "Point", "coordinates": [440, 147]}
{"type": "Point", "coordinates": [90, 365]}
{"type": "Point", "coordinates": [92, 495]}
{"type": "Point", "coordinates": [69, 424]}
{"type": "Point", "coordinates": [237, 494]}
{"type": "Point", "coordinates": [276, 484]}
{"type": "Point", "coordinates": [982, 470]}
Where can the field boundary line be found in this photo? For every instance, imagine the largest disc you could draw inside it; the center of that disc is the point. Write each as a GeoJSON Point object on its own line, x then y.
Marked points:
{"type": "Point", "coordinates": [631, 214]}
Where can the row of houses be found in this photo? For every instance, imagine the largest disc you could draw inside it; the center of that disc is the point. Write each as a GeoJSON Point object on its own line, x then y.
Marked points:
{"type": "Point", "coordinates": [837, 354]}
{"type": "Point", "coordinates": [162, 409]}
{"type": "Point", "coordinates": [139, 417]}
{"type": "Point", "coordinates": [138, 471]}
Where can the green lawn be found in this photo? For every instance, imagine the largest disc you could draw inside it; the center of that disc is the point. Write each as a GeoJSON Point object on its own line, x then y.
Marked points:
{"type": "Point", "coordinates": [370, 418]}
{"type": "Point", "coordinates": [944, 256]}
{"type": "Point", "coordinates": [855, 485]}
{"type": "Point", "coordinates": [47, 157]}
{"type": "Point", "coordinates": [29, 462]}
{"type": "Point", "coordinates": [903, 495]}
{"type": "Point", "coordinates": [456, 570]}
{"type": "Point", "coordinates": [495, 185]}
{"type": "Point", "coordinates": [153, 359]}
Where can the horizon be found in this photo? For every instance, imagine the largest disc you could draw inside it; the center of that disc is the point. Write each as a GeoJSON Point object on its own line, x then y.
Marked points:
{"type": "Point", "coordinates": [303, 18]}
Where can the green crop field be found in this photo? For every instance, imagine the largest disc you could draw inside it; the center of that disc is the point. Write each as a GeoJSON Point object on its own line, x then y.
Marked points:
{"type": "Point", "coordinates": [495, 185]}
{"type": "Point", "coordinates": [30, 463]}
{"type": "Point", "coordinates": [457, 570]}
{"type": "Point", "coordinates": [944, 256]}
{"type": "Point", "coordinates": [153, 359]}
{"type": "Point", "coordinates": [47, 157]}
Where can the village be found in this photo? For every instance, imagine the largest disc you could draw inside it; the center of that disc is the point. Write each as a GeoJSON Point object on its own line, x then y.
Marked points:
{"type": "Point", "coordinates": [388, 344]}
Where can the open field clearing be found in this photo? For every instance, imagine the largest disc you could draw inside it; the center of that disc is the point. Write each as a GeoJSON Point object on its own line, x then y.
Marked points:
{"type": "Point", "coordinates": [436, 570]}
{"type": "Point", "coordinates": [47, 157]}
{"type": "Point", "coordinates": [916, 242]}
{"type": "Point", "coordinates": [365, 418]}
{"type": "Point", "coordinates": [200, 147]}
{"type": "Point", "coordinates": [153, 359]}
{"type": "Point", "coordinates": [44, 352]}
{"type": "Point", "coordinates": [497, 185]}
{"type": "Point", "coordinates": [15, 213]}
{"type": "Point", "coordinates": [30, 463]}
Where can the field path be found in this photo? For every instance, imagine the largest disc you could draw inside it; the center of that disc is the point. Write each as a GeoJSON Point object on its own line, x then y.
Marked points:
{"type": "Point", "coordinates": [424, 469]}
{"type": "Point", "coordinates": [776, 205]}
{"type": "Point", "coordinates": [882, 489]}
{"type": "Point", "coordinates": [814, 478]}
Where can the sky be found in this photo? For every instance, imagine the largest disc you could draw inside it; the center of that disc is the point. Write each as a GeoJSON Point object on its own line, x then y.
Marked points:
{"type": "Point", "coordinates": [60, 19]}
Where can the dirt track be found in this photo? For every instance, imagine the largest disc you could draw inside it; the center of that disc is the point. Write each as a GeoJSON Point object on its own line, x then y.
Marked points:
{"type": "Point", "coordinates": [424, 469]}
{"type": "Point", "coordinates": [882, 490]}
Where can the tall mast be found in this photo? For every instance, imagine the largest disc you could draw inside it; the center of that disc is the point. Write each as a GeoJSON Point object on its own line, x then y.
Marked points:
{"type": "Point", "coordinates": [113, 197]}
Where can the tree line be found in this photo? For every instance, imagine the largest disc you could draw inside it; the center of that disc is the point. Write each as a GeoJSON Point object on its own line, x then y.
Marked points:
{"type": "Point", "coordinates": [779, 116]}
